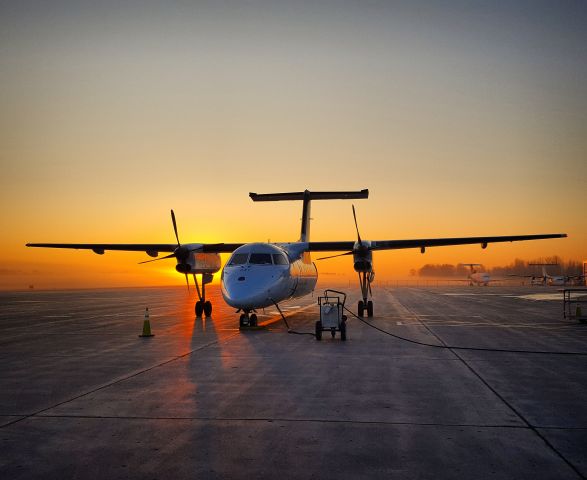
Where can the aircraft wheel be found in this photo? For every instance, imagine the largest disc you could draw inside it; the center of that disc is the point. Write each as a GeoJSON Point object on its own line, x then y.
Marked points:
{"type": "Point", "coordinates": [369, 308]}
{"type": "Point", "coordinates": [343, 331]}
{"type": "Point", "coordinates": [199, 308]}
{"type": "Point", "coordinates": [253, 320]}
{"type": "Point", "coordinates": [318, 330]}
{"type": "Point", "coordinates": [208, 308]}
{"type": "Point", "coordinates": [361, 308]}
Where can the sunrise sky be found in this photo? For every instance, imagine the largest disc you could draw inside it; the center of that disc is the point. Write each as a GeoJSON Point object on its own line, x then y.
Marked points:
{"type": "Point", "coordinates": [461, 117]}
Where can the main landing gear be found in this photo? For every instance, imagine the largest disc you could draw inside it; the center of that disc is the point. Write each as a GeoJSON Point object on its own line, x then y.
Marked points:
{"type": "Point", "coordinates": [248, 319]}
{"type": "Point", "coordinates": [365, 279]}
{"type": "Point", "coordinates": [203, 306]}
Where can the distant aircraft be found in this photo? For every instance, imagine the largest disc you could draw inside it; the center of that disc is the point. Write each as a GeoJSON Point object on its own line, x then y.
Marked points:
{"type": "Point", "coordinates": [259, 275]}
{"type": "Point", "coordinates": [474, 277]}
{"type": "Point", "coordinates": [545, 278]}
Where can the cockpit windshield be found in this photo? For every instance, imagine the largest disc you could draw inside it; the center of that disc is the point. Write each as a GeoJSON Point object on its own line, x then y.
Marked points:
{"type": "Point", "coordinates": [279, 259]}
{"type": "Point", "coordinates": [239, 259]}
{"type": "Point", "coordinates": [260, 259]}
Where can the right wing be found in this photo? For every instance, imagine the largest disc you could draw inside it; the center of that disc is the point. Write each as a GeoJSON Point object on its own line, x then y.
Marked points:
{"type": "Point", "coordinates": [426, 242]}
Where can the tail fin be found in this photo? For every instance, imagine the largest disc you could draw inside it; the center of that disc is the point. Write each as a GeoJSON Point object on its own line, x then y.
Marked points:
{"type": "Point", "coordinates": [306, 196]}
{"type": "Point", "coordinates": [543, 265]}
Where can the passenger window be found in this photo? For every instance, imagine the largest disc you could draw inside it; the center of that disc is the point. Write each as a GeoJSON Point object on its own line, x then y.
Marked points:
{"type": "Point", "coordinates": [239, 259]}
{"type": "Point", "coordinates": [279, 259]}
{"type": "Point", "coordinates": [260, 259]}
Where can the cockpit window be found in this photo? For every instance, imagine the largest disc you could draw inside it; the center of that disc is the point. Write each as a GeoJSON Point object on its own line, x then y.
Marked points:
{"type": "Point", "coordinates": [239, 259]}
{"type": "Point", "coordinates": [279, 259]}
{"type": "Point", "coordinates": [260, 259]}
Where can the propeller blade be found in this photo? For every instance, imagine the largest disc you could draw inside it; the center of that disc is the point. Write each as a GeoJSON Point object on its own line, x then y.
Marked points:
{"type": "Point", "coordinates": [171, 255]}
{"type": "Point", "coordinates": [356, 226]}
{"type": "Point", "coordinates": [334, 256]}
{"type": "Point", "coordinates": [175, 228]}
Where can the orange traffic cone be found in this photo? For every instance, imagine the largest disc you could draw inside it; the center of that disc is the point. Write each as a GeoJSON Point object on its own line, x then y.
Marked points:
{"type": "Point", "coordinates": [147, 325]}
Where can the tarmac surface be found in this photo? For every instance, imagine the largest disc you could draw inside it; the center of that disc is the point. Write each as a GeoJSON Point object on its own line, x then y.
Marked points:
{"type": "Point", "coordinates": [82, 396]}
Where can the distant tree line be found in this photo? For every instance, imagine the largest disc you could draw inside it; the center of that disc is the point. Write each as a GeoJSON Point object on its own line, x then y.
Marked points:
{"type": "Point", "coordinates": [444, 270]}
{"type": "Point", "coordinates": [517, 267]}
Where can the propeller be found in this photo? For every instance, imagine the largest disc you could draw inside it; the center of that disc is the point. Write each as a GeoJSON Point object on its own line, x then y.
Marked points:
{"type": "Point", "coordinates": [181, 253]}
{"type": "Point", "coordinates": [357, 226]}
{"type": "Point", "coordinates": [171, 255]}
{"type": "Point", "coordinates": [175, 228]}
{"type": "Point", "coordinates": [360, 247]}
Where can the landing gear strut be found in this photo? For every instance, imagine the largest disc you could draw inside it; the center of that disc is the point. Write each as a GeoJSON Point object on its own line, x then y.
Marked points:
{"type": "Point", "coordinates": [365, 279]}
{"type": "Point", "coordinates": [203, 306]}
{"type": "Point", "coordinates": [248, 319]}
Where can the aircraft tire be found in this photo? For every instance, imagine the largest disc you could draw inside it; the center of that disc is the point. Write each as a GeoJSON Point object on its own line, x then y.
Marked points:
{"type": "Point", "coordinates": [199, 308]}
{"type": "Point", "coordinates": [208, 308]}
{"type": "Point", "coordinates": [318, 330]}
{"type": "Point", "coordinates": [253, 320]}
{"type": "Point", "coordinates": [369, 308]}
{"type": "Point", "coordinates": [361, 308]}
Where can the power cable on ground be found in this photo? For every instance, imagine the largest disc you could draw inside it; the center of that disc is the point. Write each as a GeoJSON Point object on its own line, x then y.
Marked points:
{"type": "Point", "coordinates": [475, 349]}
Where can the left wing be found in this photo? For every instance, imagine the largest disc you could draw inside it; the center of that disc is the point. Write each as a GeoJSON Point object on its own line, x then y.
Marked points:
{"type": "Point", "coordinates": [426, 242]}
{"type": "Point", "coordinates": [151, 249]}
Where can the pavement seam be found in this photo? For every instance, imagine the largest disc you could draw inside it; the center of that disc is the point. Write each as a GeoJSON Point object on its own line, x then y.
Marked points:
{"type": "Point", "coordinates": [498, 395]}
{"type": "Point", "coordinates": [135, 374]}
{"type": "Point", "coordinates": [280, 419]}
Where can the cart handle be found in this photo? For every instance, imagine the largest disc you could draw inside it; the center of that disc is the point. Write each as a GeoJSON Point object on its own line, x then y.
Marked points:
{"type": "Point", "coordinates": [336, 291]}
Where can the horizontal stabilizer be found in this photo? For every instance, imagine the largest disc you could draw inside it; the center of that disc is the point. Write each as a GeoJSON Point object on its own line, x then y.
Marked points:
{"type": "Point", "coordinates": [276, 197]}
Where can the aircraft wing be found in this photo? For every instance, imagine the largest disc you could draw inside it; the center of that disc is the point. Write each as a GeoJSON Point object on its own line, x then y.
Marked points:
{"type": "Point", "coordinates": [148, 248]}
{"type": "Point", "coordinates": [427, 242]}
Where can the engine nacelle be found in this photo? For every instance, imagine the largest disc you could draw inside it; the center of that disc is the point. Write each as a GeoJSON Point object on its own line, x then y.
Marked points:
{"type": "Point", "coordinates": [200, 263]}
{"type": "Point", "coordinates": [362, 257]}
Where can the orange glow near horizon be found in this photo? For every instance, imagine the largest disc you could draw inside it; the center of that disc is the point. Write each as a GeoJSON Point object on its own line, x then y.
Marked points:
{"type": "Point", "coordinates": [56, 268]}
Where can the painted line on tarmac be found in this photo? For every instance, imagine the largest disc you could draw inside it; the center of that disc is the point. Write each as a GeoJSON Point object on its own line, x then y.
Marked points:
{"type": "Point", "coordinates": [277, 317]}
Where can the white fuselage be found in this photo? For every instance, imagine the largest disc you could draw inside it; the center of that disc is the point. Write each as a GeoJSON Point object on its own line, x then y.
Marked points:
{"type": "Point", "coordinates": [258, 275]}
{"type": "Point", "coordinates": [479, 278]}
{"type": "Point", "coordinates": [555, 281]}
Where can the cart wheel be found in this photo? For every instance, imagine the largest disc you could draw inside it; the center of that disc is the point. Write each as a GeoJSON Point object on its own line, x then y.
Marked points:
{"type": "Point", "coordinates": [369, 308]}
{"type": "Point", "coordinates": [333, 332]}
{"type": "Point", "coordinates": [343, 331]}
{"type": "Point", "coordinates": [318, 330]}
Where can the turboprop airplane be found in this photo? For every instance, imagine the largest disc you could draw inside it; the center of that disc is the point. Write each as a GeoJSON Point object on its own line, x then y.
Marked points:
{"type": "Point", "coordinates": [545, 278]}
{"type": "Point", "coordinates": [258, 275]}
{"type": "Point", "coordinates": [474, 277]}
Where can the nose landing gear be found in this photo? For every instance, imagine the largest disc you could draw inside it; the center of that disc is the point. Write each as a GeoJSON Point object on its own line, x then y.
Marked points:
{"type": "Point", "coordinates": [248, 319]}
{"type": "Point", "coordinates": [365, 279]}
{"type": "Point", "coordinates": [203, 306]}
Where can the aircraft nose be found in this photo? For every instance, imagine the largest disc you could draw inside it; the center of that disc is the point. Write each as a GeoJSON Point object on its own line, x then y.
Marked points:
{"type": "Point", "coordinates": [248, 291]}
